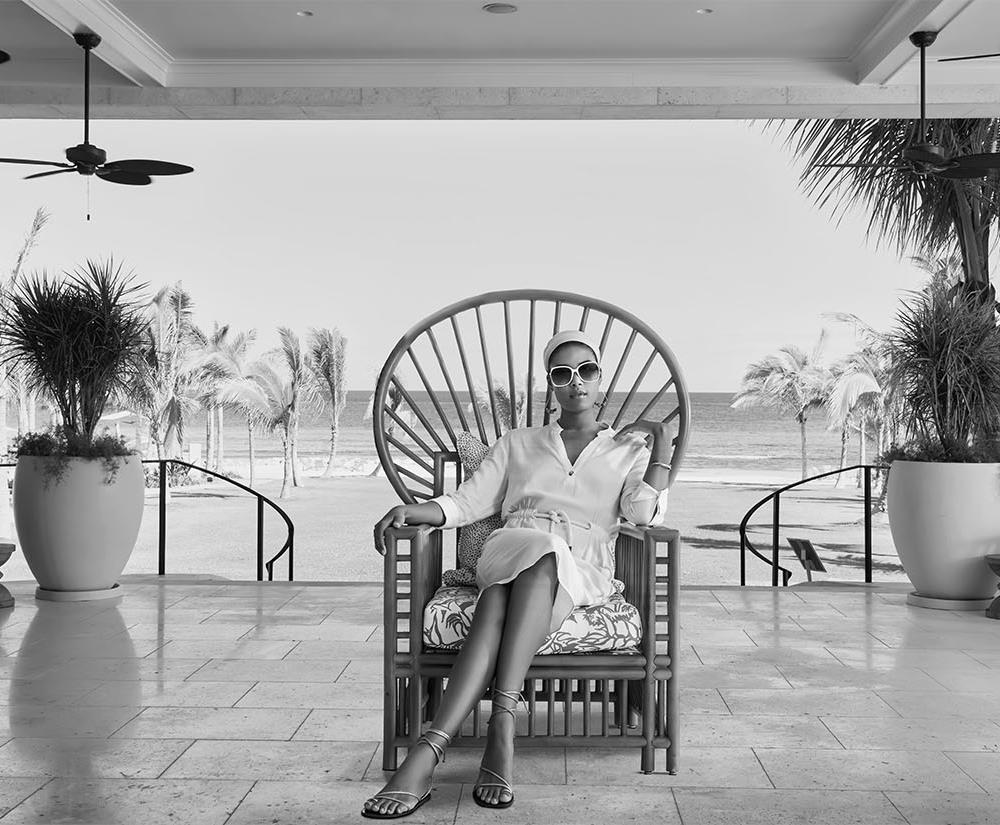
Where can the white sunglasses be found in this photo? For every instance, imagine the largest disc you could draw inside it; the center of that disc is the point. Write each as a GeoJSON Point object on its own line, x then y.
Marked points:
{"type": "Point", "coordinates": [562, 375]}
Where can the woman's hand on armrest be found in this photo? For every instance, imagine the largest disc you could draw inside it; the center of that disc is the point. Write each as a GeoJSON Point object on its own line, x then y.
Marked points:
{"type": "Point", "coordinates": [427, 513]}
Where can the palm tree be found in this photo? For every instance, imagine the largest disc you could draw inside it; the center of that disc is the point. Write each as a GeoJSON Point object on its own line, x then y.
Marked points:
{"type": "Point", "coordinates": [855, 400]}
{"type": "Point", "coordinates": [501, 397]}
{"type": "Point", "coordinates": [922, 213]}
{"type": "Point", "coordinates": [880, 403]}
{"type": "Point", "coordinates": [225, 361]}
{"type": "Point", "coordinates": [793, 382]}
{"type": "Point", "coordinates": [327, 357]}
{"type": "Point", "coordinates": [11, 379]}
{"type": "Point", "coordinates": [167, 394]}
{"type": "Point", "coordinates": [272, 397]}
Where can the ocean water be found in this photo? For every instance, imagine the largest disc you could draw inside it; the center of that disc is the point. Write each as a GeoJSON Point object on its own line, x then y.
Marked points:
{"type": "Point", "coordinates": [720, 437]}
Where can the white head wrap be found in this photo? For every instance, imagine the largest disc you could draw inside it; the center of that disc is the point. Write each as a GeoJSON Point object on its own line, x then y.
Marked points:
{"type": "Point", "coordinates": [575, 336]}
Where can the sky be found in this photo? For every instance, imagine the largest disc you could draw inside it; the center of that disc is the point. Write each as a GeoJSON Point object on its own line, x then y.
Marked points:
{"type": "Point", "coordinates": [698, 227]}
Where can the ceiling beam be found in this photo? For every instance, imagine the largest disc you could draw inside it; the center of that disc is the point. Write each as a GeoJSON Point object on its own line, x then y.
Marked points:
{"type": "Point", "coordinates": [888, 48]}
{"type": "Point", "coordinates": [124, 46]}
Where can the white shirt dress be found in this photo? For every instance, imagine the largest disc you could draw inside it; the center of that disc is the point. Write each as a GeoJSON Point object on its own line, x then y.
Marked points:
{"type": "Point", "coordinates": [552, 506]}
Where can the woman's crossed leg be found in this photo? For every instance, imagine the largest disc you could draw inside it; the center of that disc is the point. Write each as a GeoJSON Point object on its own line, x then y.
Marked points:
{"type": "Point", "coordinates": [510, 623]}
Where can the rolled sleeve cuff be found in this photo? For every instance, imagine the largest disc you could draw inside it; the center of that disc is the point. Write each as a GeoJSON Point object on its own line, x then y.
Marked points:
{"type": "Point", "coordinates": [450, 508]}
{"type": "Point", "coordinates": [647, 494]}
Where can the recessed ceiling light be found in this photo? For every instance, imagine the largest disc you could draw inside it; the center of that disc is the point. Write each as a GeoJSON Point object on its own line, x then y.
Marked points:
{"type": "Point", "coordinates": [500, 8]}
{"type": "Point", "coordinates": [304, 13]}
{"type": "Point", "coordinates": [705, 11]}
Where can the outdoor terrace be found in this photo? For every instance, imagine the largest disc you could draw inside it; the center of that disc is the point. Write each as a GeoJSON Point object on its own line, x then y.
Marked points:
{"type": "Point", "coordinates": [209, 701]}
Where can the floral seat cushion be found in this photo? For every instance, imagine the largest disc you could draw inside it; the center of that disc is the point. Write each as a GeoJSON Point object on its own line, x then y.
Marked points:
{"type": "Point", "coordinates": [611, 626]}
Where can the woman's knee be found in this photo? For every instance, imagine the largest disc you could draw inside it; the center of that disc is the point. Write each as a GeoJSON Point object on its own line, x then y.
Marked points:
{"type": "Point", "coordinates": [545, 568]}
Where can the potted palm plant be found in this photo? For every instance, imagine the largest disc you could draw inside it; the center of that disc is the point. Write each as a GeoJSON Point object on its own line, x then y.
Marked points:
{"type": "Point", "coordinates": [944, 482]}
{"type": "Point", "coordinates": [78, 496]}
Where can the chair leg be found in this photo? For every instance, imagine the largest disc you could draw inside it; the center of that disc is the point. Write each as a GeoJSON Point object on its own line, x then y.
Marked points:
{"type": "Point", "coordinates": [390, 715]}
{"type": "Point", "coordinates": [673, 724]}
{"type": "Point", "coordinates": [648, 758]}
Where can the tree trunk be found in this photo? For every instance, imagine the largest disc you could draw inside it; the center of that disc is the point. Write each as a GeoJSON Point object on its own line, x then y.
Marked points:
{"type": "Point", "coordinates": [802, 431]}
{"type": "Point", "coordinates": [250, 445]}
{"type": "Point", "coordinates": [843, 454]}
{"type": "Point", "coordinates": [219, 440]}
{"type": "Point", "coordinates": [862, 454]}
{"type": "Point", "coordinates": [296, 472]}
{"type": "Point", "coordinates": [333, 447]}
{"type": "Point", "coordinates": [32, 412]}
{"type": "Point", "coordinates": [22, 409]}
{"type": "Point", "coordinates": [286, 481]}
{"type": "Point", "coordinates": [6, 514]}
{"type": "Point", "coordinates": [209, 437]}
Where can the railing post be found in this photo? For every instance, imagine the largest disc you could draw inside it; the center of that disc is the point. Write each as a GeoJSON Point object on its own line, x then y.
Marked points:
{"type": "Point", "coordinates": [163, 517]}
{"type": "Point", "coordinates": [260, 539]}
{"type": "Point", "coordinates": [743, 558]}
{"type": "Point", "coordinates": [774, 542]}
{"type": "Point", "coordinates": [868, 524]}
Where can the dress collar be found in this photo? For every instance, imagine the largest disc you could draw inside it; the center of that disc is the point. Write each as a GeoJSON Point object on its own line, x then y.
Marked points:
{"type": "Point", "coordinates": [557, 428]}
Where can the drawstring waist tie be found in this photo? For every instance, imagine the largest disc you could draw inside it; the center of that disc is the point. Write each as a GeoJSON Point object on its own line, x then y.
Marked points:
{"type": "Point", "coordinates": [525, 514]}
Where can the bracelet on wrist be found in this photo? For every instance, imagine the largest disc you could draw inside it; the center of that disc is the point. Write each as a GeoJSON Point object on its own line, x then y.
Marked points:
{"type": "Point", "coordinates": [659, 464]}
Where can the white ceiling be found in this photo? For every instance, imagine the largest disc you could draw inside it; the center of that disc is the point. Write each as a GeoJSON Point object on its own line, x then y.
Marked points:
{"type": "Point", "coordinates": [447, 58]}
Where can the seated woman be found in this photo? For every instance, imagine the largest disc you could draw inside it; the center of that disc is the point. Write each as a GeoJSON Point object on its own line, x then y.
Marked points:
{"type": "Point", "coordinates": [562, 489]}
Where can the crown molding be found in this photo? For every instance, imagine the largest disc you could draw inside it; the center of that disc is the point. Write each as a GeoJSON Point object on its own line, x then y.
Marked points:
{"type": "Point", "coordinates": [124, 46]}
{"type": "Point", "coordinates": [559, 73]}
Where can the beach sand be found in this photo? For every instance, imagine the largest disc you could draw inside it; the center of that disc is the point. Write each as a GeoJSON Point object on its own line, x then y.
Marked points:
{"type": "Point", "coordinates": [211, 529]}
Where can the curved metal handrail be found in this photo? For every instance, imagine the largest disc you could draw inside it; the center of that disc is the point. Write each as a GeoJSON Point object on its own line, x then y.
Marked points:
{"type": "Point", "coordinates": [261, 501]}
{"type": "Point", "coordinates": [746, 544]}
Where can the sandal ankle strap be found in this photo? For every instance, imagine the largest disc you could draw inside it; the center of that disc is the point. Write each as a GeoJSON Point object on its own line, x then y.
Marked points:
{"type": "Point", "coordinates": [434, 746]}
{"type": "Point", "coordinates": [514, 696]}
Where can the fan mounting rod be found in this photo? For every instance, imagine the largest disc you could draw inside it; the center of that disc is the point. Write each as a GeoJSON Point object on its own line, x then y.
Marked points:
{"type": "Point", "coordinates": [922, 40]}
{"type": "Point", "coordinates": [86, 41]}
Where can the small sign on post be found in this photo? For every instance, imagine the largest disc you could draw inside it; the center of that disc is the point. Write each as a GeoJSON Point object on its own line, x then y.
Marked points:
{"type": "Point", "coordinates": [807, 556]}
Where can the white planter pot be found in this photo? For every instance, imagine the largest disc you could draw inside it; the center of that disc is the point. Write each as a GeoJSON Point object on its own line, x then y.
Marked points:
{"type": "Point", "coordinates": [944, 518]}
{"type": "Point", "coordinates": [77, 533]}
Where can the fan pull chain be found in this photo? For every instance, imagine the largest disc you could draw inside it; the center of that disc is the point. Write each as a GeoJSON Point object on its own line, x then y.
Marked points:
{"type": "Point", "coordinates": [88, 197]}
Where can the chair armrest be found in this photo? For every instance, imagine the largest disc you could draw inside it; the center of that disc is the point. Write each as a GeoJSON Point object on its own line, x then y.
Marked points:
{"type": "Point", "coordinates": [656, 532]}
{"type": "Point", "coordinates": [646, 561]}
{"type": "Point", "coordinates": [411, 577]}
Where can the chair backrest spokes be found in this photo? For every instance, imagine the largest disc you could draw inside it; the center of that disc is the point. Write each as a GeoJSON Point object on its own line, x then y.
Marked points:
{"type": "Point", "coordinates": [476, 366]}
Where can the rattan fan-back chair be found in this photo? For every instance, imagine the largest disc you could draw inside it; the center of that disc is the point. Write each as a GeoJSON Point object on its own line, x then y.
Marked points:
{"type": "Point", "coordinates": [472, 366]}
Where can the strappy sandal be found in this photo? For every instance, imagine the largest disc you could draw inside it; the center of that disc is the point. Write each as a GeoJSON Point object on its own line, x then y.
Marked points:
{"type": "Point", "coordinates": [503, 784]}
{"type": "Point", "coordinates": [390, 796]}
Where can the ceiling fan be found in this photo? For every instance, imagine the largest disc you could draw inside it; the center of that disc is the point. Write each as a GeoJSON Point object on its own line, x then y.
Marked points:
{"type": "Point", "coordinates": [88, 159]}
{"type": "Point", "coordinates": [926, 158]}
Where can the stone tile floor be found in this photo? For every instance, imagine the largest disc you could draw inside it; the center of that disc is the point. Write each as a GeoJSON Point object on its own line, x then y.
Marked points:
{"type": "Point", "coordinates": [204, 702]}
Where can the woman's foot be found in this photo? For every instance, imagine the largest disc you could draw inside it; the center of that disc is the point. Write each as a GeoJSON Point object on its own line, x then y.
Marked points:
{"type": "Point", "coordinates": [411, 783]}
{"type": "Point", "coordinates": [493, 788]}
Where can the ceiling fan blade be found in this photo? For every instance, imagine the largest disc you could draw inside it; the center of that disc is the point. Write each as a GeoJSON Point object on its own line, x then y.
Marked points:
{"type": "Point", "coordinates": [128, 178]}
{"type": "Point", "coordinates": [961, 172]}
{"type": "Point", "coordinates": [967, 57]}
{"type": "Point", "coordinates": [147, 167]}
{"type": "Point", "coordinates": [46, 174]}
{"type": "Point", "coordinates": [982, 160]}
{"type": "Point", "coordinates": [38, 162]}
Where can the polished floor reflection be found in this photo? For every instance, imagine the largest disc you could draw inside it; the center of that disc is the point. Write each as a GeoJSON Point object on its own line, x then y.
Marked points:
{"type": "Point", "coordinates": [240, 703]}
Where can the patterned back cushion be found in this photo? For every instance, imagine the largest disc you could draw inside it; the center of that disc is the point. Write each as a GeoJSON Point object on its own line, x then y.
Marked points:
{"type": "Point", "coordinates": [611, 626]}
{"type": "Point", "coordinates": [471, 452]}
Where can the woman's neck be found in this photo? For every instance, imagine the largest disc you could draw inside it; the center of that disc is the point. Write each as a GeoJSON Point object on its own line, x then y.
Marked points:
{"type": "Point", "coordinates": [580, 420]}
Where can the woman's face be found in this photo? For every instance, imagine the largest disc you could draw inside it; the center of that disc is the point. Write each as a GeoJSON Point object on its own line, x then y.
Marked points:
{"type": "Point", "coordinates": [578, 394]}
